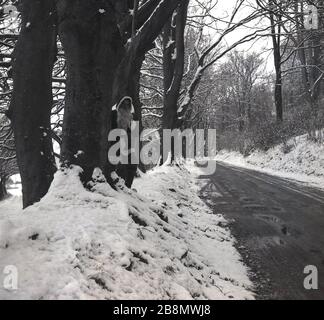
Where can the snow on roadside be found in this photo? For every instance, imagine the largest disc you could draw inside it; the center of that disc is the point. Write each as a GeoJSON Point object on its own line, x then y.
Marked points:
{"type": "Point", "coordinates": [299, 159]}
{"type": "Point", "coordinates": [161, 242]}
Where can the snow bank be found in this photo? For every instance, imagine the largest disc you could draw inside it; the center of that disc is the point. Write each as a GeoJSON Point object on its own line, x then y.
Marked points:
{"type": "Point", "coordinates": [160, 242]}
{"type": "Point", "coordinates": [299, 159]}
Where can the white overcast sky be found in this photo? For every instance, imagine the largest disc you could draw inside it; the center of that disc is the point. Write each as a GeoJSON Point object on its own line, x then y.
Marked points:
{"type": "Point", "coordinates": [224, 9]}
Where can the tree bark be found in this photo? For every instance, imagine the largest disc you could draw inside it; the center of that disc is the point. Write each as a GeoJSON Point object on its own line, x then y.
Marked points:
{"type": "Point", "coordinates": [315, 54]}
{"type": "Point", "coordinates": [170, 98]}
{"type": "Point", "coordinates": [134, 90]}
{"type": "Point", "coordinates": [31, 103]}
{"type": "Point", "coordinates": [93, 49]}
{"type": "Point", "coordinates": [173, 65]}
{"type": "Point", "coordinates": [278, 96]}
{"type": "Point", "coordinates": [300, 44]}
{"type": "Point", "coordinates": [276, 40]}
{"type": "Point", "coordinates": [3, 190]}
{"type": "Point", "coordinates": [173, 70]}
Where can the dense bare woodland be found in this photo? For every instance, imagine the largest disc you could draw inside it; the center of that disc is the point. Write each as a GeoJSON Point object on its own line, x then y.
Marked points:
{"type": "Point", "coordinates": [73, 72]}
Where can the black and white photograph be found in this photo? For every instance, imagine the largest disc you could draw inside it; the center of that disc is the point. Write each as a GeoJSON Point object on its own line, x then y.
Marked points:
{"type": "Point", "coordinates": [161, 155]}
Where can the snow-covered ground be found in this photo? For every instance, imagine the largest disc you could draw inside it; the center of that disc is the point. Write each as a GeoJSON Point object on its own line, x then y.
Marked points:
{"type": "Point", "coordinates": [300, 159]}
{"type": "Point", "coordinates": [161, 242]}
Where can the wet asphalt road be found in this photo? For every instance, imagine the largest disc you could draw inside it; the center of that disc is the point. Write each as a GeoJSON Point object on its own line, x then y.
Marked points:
{"type": "Point", "coordinates": [279, 227]}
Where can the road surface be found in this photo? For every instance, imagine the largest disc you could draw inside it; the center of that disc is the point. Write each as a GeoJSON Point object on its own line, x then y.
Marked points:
{"type": "Point", "coordinates": [279, 227]}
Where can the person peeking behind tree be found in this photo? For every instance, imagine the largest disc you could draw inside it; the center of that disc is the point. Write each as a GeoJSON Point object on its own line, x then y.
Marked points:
{"type": "Point", "coordinates": [123, 114]}
{"type": "Point", "coordinates": [122, 117]}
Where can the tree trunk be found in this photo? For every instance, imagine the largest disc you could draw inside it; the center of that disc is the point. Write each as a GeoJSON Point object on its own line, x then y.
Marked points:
{"type": "Point", "coordinates": [93, 49]}
{"type": "Point", "coordinates": [299, 43]}
{"type": "Point", "coordinates": [315, 54]}
{"type": "Point", "coordinates": [3, 190]}
{"type": "Point", "coordinates": [278, 96]}
{"type": "Point", "coordinates": [276, 40]}
{"type": "Point", "coordinates": [134, 90]}
{"type": "Point", "coordinates": [173, 70]}
{"type": "Point", "coordinates": [170, 97]}
{"type": "Point", "coordinates": [31, 102]}
{"type": "Point", "coordinates": [173, 65]}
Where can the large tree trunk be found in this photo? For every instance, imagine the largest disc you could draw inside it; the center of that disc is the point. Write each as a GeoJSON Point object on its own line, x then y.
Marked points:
{"type": "Point", "coordinates": [93, 49]}
{"type": "Point", "coordinates": [173, 65]}
{"type": "Point", "coordinates": [170, 97]}
{"type": "Point", "coordinates": [173, 70]}
{"type": "Point", "coordinates": [32, 98]}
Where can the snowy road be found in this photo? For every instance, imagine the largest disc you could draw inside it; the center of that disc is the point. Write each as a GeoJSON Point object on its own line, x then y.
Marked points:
{"type": "Point", "coordinates": [279, 226]}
